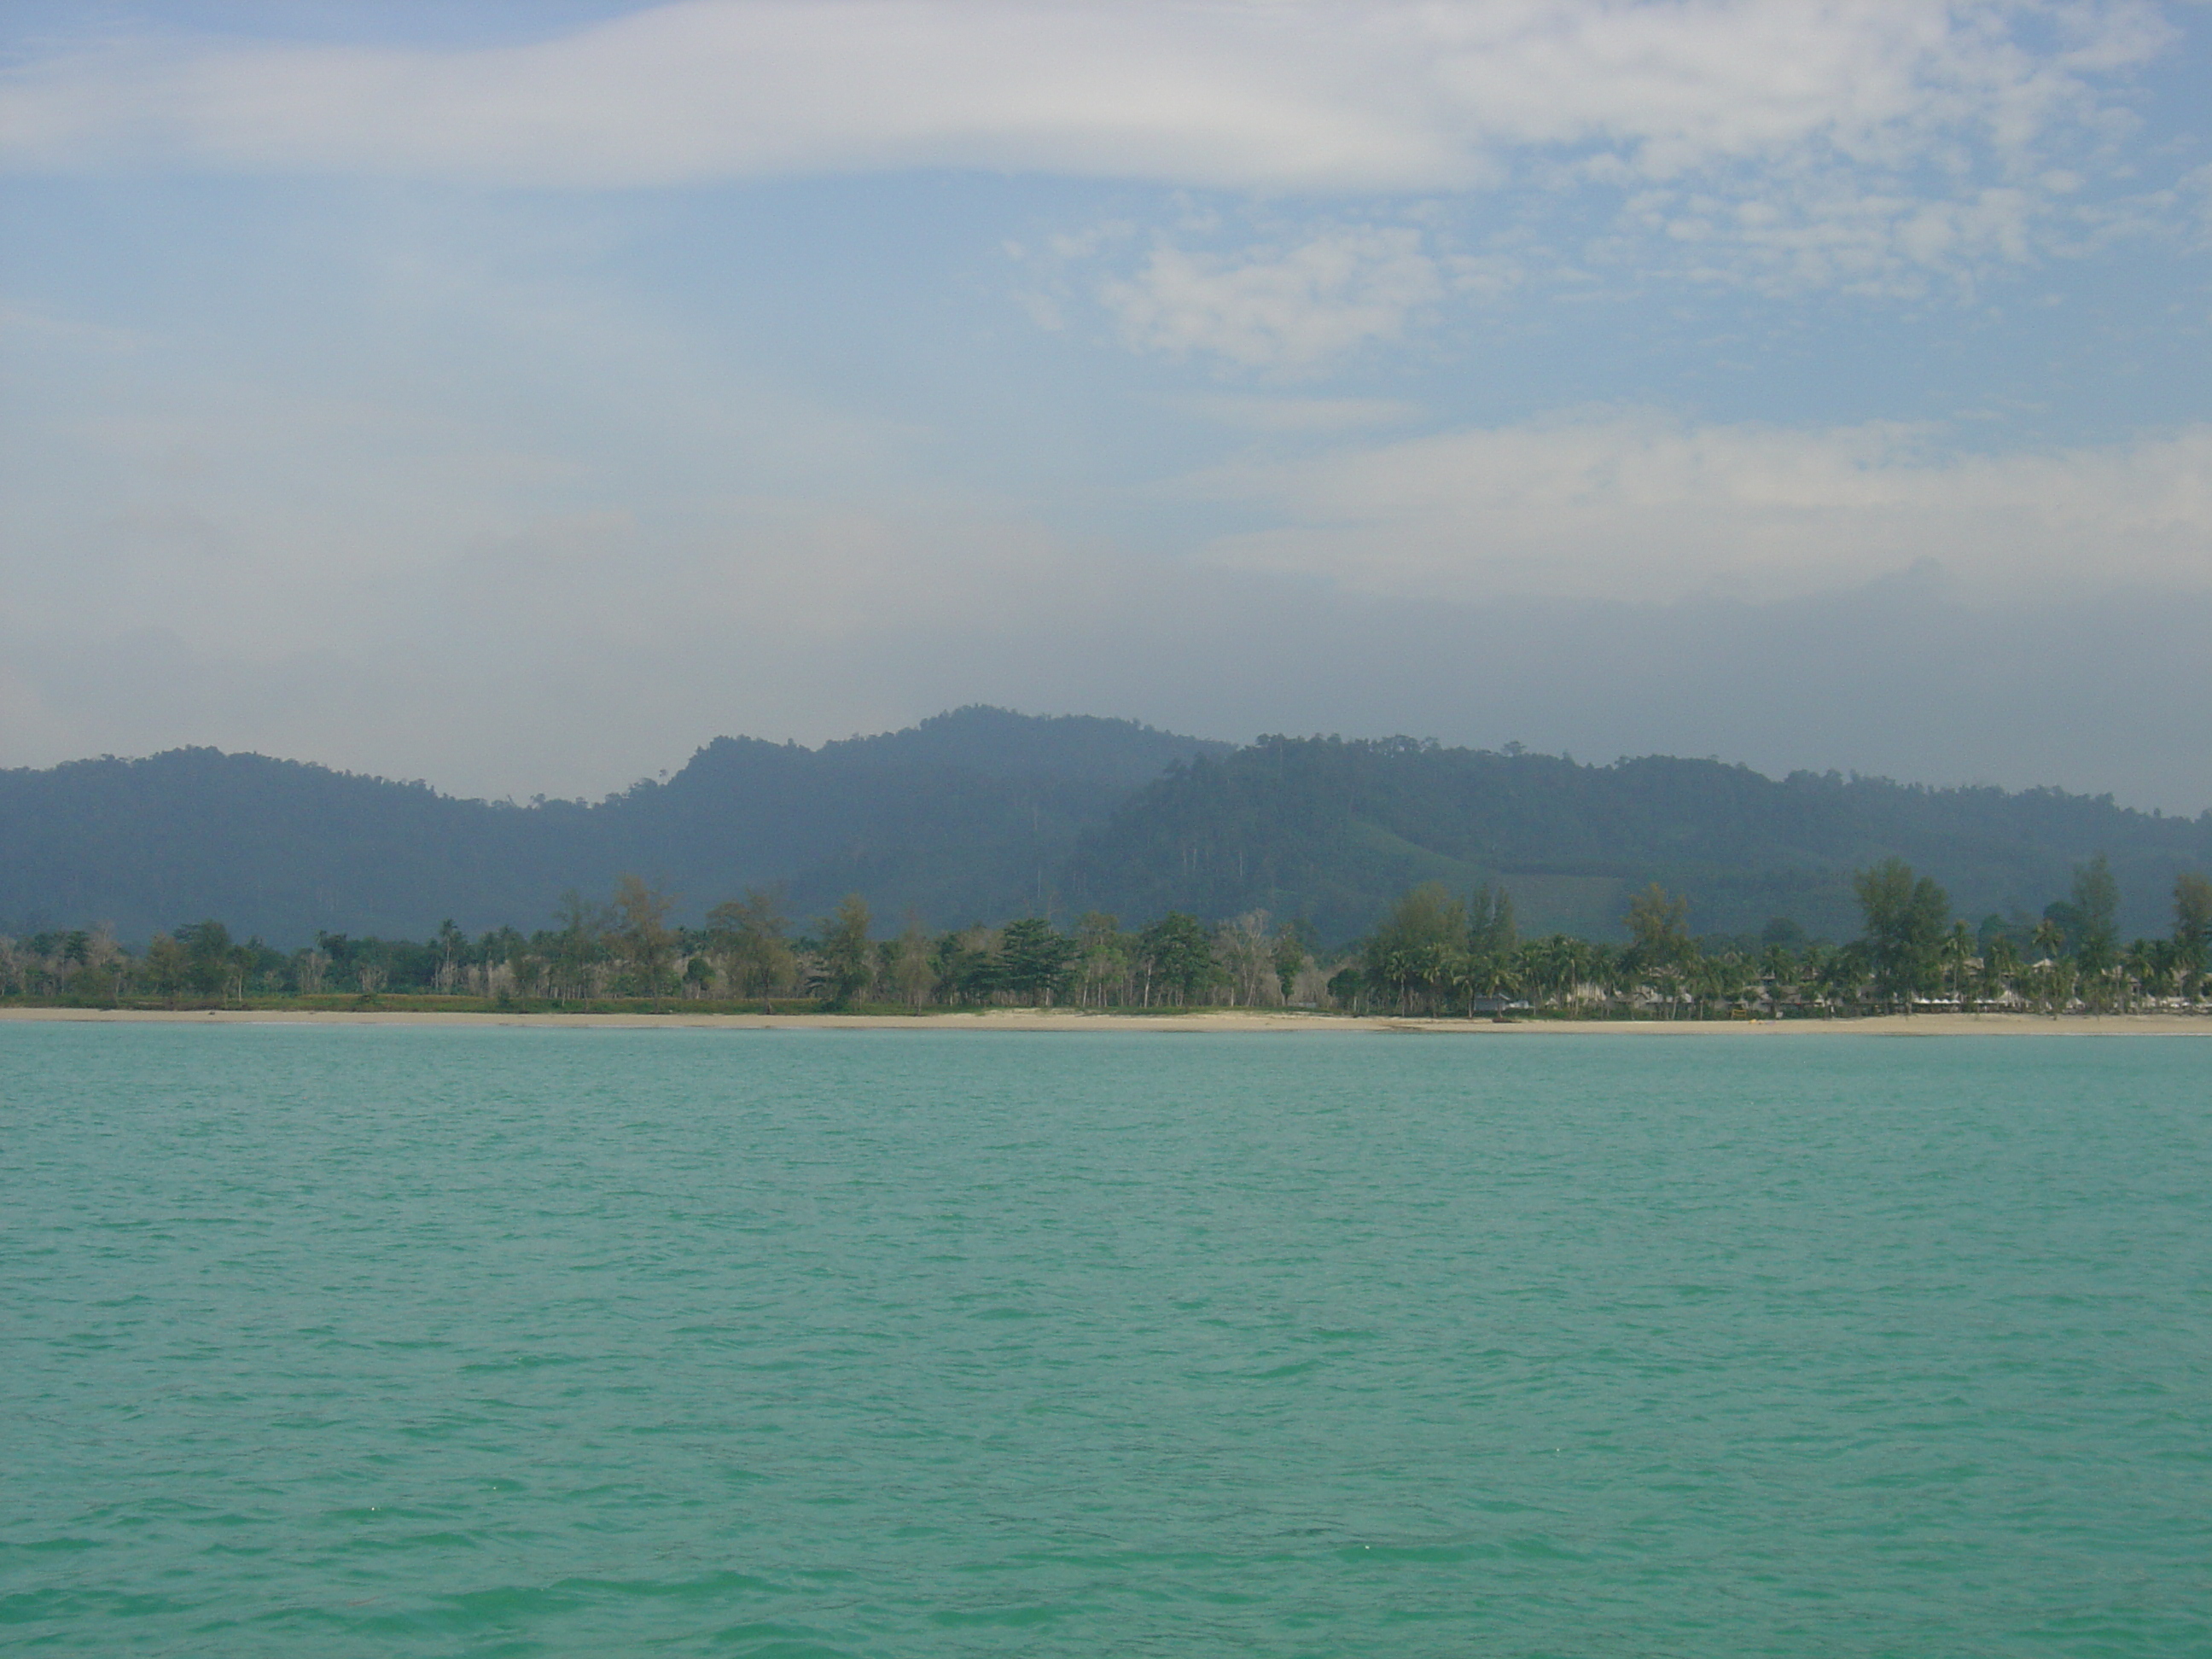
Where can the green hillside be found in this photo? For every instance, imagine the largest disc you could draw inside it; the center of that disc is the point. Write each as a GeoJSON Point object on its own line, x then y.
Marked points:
{"type": "Point", "coordinates": [966, 814]}
{"type": "Point", "coordinates": [1332, 829]}
{"type": "Point", "coordinates": [983, 814]}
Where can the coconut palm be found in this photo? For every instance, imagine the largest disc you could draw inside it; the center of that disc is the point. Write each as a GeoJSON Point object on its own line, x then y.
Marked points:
{"type": "Point", "coordinates": [2000, 966]}
{"type": "Point", "coordinates": [1957, 952]}
{"type": "Point", "coordinates": [2049, 937]}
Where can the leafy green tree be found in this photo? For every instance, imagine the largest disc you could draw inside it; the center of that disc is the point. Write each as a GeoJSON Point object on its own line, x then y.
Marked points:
{"type": "Point", "coordinates": [1718, 980]}
{"type": "Point", "coordinates": [1659, 930]}
{"type": "Point", "coordinates": [209, 947]}
{"type": "Point", "coordinates": [1906, 918]}
{"type": "Point", "coordinates": [699, 977]}
{"type": "Point", "coordinates": [1177, 951]}
{"type": "Point", "coordinates": [1103, 958]}
{"type": "Point", "coordinates": [968, 965]}
{"type": "Point", "coordinates": [168, 968]}
{"type": "Point", "coordinates": [1605, 970]}
{"type": "Point", "coordinates": [578, 947]}
{"type": "Point", "coordinates": [2192, 927]}
{"type": "Point", "coordinates": [1348, 989]}
{"type": "Point", "coordinates": [1289, 955]}
{"type": "Point", "coordinates": [849, 963]}
{"type": "Point", "coordinates": [529, 972]}
{"type": "Point", "coordinates": [907, 965]}
{"type": "Point", "coordinates": [642, 932]}
{"type": "Point", "coordinates": [1841, 975]}
{"type": "Point", "coordinates": [1392, 974]}
{"type": "Point", "coordinates": [1415, 950]}
{"type": "Point", "coordinates": [1037, 959]}
{"type": "Point", "coordinates": [1423, 916]}
{"type": "Point", "coordinates": [1491, 930]}
{"type": "Point", "coordinates": [752, 937]}
{"type": "Point", "coordinates": [2096, 899]}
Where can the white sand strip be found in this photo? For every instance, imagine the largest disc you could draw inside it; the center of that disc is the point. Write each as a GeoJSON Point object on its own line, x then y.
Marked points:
{"type": "Point", "coordinates": [1032, 1019]}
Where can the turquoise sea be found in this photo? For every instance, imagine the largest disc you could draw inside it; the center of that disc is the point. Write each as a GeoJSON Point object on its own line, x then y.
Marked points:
{"type": "Point", "coordinates": [405, 1342]}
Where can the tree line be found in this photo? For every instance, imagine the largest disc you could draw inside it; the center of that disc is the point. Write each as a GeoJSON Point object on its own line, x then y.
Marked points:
{"type": "Point", "coordinates": [1433, 954]}
{"type": "Point", "coordinates": [748, 951]}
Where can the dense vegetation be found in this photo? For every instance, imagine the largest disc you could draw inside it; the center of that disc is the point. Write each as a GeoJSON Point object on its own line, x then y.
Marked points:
{"type": "Point", "coordinates": [969, 814]}
{"type": "Point", "coordinates": [747, 952]}
{"type": "Point", "coordinates": [982, 813]}
{"type": "Point", "coordinates": [1330, 830]}
{"type": "Point", "coordinates": [1433, 954]}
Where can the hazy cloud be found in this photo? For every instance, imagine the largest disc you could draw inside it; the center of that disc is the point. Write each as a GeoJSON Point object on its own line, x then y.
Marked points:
{"type": "Point", "coordinates": [1280, 309]}
{"type": "Point", "coordinates": [1905, 676]}
{"type": "Point", "coordinates": [1298, 94]}
{"type": "Point", "coordinates": [532, 490]}
{"type": "Point", "coordinates": [1651, 506]}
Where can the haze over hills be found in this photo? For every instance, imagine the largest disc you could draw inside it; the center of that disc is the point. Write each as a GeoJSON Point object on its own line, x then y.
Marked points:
{"type": "Point", "coordinates": [1330, 829]}
{"type": "Point", "coordinates": [963, 815]}
{"type": "Point", "coordinates": [983, 814]}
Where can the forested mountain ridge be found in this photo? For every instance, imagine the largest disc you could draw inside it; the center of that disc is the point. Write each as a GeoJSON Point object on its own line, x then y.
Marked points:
{"type": "Point", "coordinates": [968, 814]}
{"type": "Point", "coordinates": [981, 814]}
{"type": "Point", "coordinates": [1329, 829]}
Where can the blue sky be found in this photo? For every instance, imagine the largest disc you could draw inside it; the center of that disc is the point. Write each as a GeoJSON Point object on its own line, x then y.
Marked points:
{"type": "Point", "coordinates": [517, 396]}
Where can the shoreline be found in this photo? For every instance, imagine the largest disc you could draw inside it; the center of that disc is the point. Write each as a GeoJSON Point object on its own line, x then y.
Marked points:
{"type": "Point", "coordinates": [1228, 1021]}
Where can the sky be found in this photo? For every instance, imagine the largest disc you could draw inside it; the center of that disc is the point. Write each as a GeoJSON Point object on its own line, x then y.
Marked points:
{"type": "Point", "coordinates": [517, 396]}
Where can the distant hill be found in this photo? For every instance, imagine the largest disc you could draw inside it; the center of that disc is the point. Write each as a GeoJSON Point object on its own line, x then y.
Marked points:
{"type": "Point", "coordinates": [1331, 830]}
{"type": "Point", "coordinates": [963, 817]}
{"type": "Point", "coordinates": [983, 814]}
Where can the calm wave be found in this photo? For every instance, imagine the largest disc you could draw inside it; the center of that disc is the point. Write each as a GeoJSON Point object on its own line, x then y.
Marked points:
{"type": "Point", "coordinates": [407, 1341]}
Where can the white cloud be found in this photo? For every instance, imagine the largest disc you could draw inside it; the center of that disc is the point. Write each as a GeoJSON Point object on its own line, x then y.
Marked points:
{"type": "Point", "coordinates": [459, 593]}
{"type": "Point", "coordinates": [1287, 308]}
{"type": "Point", "coordinates": [1869, 236]}
{"type": "Point", "coordinates": [1291, 95]}
{"type": "Point", "coordinates": [1646, 508]}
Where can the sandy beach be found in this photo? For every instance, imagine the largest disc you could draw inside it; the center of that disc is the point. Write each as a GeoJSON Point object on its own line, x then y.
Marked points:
{"type": "Point", "coordinates": [1237, 1021]}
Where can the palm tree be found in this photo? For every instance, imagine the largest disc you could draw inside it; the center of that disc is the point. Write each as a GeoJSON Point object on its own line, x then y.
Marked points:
{"type": "Point", "coordinates": [2000, 966]}
{"type": "Point", "coordinates": [1577, 960]}
{"type": "Point", "coordinates": [1547, 968]}
{"type": "Point", "coordinates": [2140, 971]}
{"type": "Point", "coordinates": [1437, 965]}
{"type": "Point", "coordinates": [1844, 975]}
{"type": "Point", "coordinates": [1777, 973]}
{"type": "Point", "coordinates": [1957, 951]}
{"type": "Point", "coordinates": [1493, 977]}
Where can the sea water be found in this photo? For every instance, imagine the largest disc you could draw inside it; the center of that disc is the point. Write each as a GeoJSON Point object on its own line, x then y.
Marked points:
{"type": "Point", "coordinates": [428, 1341]}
